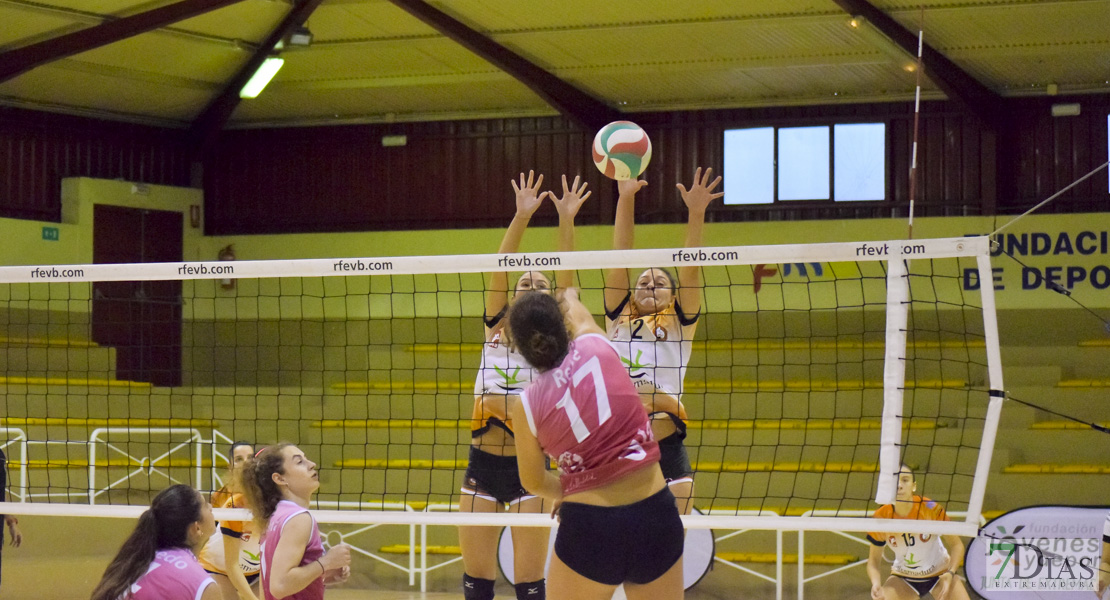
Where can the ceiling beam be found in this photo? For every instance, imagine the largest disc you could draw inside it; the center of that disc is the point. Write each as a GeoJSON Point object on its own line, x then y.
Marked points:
{"type": "Point", "coordinates": [206, 128]}
{"type": "Point", "coordinates": [16, 62]}
{"type": "Point", "coordinates": [956, 83]}
{"type": "Point", "coordinates": [576, 105]}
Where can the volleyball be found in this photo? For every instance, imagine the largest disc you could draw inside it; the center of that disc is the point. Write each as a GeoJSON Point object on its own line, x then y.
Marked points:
{"type": "Point", "coordinates": [622, 150]}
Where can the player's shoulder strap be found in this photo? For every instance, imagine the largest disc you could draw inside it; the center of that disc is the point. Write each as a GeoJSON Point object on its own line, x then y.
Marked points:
{"type": "Point", "coordinates": [615, 313]}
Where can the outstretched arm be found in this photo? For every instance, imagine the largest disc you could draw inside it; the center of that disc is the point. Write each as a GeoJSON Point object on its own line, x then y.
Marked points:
{"type": "Point", "coordinates": [528, 199]}
{"type": "Point", "coordinates": [577, 317]}
{"type": "Point", "coordinates": [697, 198]}
{"type": "Point", "coordinates": [567, 205]}
{"type": "Point", "coordinates": [617, 280]}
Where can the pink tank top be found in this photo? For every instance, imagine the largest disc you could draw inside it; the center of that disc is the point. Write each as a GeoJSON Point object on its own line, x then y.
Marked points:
{"type": "Point", "coordinates": [315, 549]}
{"type": "Point", "coordinates": [174, 574]}
{"type": "Point", "coordinates": [587, 415]}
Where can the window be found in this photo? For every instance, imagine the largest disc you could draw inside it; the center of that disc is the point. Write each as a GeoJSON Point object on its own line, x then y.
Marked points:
{"type": "Point", "coordinates": [846, 162]}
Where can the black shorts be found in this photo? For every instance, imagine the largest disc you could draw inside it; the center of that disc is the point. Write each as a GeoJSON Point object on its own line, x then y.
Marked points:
{"type": "Point", "coordinates": [673, 459]}
{"type": "Point", "coordinates": [921, 585]}
{"type": "Point", "coordinates": [635, 543]}
{"type": "Point", "coordinates": [250, 578]}
{"type": "Point", "coordinates": [493, 477]}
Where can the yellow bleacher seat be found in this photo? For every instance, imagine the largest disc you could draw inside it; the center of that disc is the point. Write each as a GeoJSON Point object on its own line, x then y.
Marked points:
{"type": "Point", "coordinates": [400, 463]}
{"type": "Point", "coordinates": [71, 381]}
{"type": "Point", "coordinates": [1061, 425]}
{"type": "Point", "coordinates": [1057, 469]}
{"type": "Point", "coordinates": [707, 424]}
{"type": "Point", "coordinates": [764, 344]}
{"type": "Point", "coordinates": [49, 342]}
{"type": "Point", "coordinates": [77, 422]}
{"type": "Point", "coordinates": [817, 385]}
{"type": "Point", "coordinates": [1083, 383]}
{"type": "Point", "coordinates": [111, 462]}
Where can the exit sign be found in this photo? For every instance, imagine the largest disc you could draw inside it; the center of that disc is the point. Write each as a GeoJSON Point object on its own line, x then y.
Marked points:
{"type": "Point", "coordinates": [50, 234]}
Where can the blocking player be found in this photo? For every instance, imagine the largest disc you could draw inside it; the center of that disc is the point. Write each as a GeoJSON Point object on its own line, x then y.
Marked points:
{"type": "Point", "coordinates": [652, 327]}
{"type": "Point", "coordinates": [491, 482]}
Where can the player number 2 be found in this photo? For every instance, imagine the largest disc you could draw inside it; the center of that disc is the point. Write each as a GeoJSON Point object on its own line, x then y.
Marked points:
{"type": "Point", "coordinates": [592, 368]}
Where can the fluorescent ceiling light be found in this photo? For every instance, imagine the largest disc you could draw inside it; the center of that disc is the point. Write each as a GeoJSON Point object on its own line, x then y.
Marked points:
{"type": "Point", "coordinates": [261, 77]}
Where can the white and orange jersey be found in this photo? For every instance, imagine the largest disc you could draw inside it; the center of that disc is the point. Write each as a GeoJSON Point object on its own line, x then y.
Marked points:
{"type": "Point", "coordinates": [250, 555]}
{"type": "Point", "coordinates": [503, 373]}
{"type": "Point", "coordinates": [654, 348]}
{"type": "Point", "coordinates": [915, 554]}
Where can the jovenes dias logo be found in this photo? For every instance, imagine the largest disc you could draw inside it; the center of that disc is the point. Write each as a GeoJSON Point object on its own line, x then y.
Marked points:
{"type": "Point", "coordinates": [1031, 551]}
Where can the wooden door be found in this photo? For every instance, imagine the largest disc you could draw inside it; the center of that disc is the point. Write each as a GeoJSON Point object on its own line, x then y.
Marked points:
{"type": "Point", "coordinates": [141, 319]}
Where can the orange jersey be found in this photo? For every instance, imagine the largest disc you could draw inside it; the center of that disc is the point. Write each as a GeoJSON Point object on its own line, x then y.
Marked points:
{"type": "Point", "coordinates": [212, 558]}
{"type": "Point", "coordinates": [915, 554]}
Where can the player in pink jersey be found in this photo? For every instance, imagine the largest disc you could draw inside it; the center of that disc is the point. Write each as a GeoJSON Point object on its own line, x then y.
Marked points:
{"type": "Point", "coordinates": [618, 519]}
{"type": "Point", "coordinates": [278, 484]}
{"type": "Point", "coordinates": [157, 562]}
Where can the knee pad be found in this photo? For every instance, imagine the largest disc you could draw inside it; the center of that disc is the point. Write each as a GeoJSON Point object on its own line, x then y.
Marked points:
{"type": "Point", "coordinates": [477, 589]}
{"type": "Point", "coordinates": [534, 590]}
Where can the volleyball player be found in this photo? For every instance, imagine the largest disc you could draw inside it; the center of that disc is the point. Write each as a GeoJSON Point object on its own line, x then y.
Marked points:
{"type": "Point", "coordinates": [232, 555]}
{"type": "Point", "coordinates": [157, 561]}
{"type": "Point", "coordinates": [652, 327]}
{"type": "Point", "coordinates": [278, 484]}
{"type": "Point", "coordinates": [618, 519]}
{"type": "Point", "coordinates": [491, 482]}
{"type": "Point", "coordinates": [922, 563]}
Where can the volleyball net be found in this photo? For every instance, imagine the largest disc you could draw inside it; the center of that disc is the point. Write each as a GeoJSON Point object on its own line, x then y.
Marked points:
{"type": "Point", "coordinates": [816, 372]}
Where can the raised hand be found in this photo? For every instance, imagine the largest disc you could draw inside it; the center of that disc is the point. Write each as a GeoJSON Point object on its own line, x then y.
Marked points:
{"type": "Point", "coordinates": [572, 198]}
{"type": "Point", "coordinates": [528, 196]}
{"type": "Point", "coordinates": [700, 193]}
{"type": "Point", "coordinates": [629, 187]}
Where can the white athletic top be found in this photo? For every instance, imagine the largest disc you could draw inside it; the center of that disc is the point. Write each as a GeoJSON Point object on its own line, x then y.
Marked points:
{"type": "Point", "coordinates": [654, 348]}
{"type": "Point", "coordinates": [917, 555]}
{"type": "Point", "coordinates": [503, 371]}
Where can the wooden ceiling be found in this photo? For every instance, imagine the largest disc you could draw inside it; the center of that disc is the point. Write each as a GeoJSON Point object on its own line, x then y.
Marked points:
{"type": "Point", "coordinates": [406, 60]}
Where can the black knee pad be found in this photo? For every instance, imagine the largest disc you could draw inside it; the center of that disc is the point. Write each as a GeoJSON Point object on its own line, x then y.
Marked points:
{"type": "Point", "coordinates": [477, 589]}
{"type": "Point", "coordinates": [533, 590]}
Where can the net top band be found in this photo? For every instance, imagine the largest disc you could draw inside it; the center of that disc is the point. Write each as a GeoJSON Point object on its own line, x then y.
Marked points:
{"type": "Point", "coordinates": [487, 263]}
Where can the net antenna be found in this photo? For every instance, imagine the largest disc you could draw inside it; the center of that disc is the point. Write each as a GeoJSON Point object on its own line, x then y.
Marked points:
{"type": "Point", "coordinates": [807, 385]}
{"type": "Point", "coordinates": [916, 119]}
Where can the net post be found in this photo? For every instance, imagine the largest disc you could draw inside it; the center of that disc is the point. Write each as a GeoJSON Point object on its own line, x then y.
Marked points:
{"type": "Point", "coordinates": [997, 393]}
{"type": "Point", "coordinates": [801, 564]}
{"type": "Point", "coordinates": [894, 376]}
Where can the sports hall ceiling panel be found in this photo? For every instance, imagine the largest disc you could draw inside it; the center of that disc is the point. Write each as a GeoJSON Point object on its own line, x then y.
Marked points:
{"type": "Point", "coordinates": [372, 61]}
{"type": "Point", "coordinates": [89, 91]}
{"type": "Point", "coordinates": [503, 96]}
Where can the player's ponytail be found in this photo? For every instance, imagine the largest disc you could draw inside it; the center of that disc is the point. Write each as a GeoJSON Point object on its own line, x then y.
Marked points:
{"type": "Point", "coordinates": [256, 479]}
{"type": "Point", "coordinates": [164, 525]}
{"type": "Point", "coordinates": [540, 333]}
